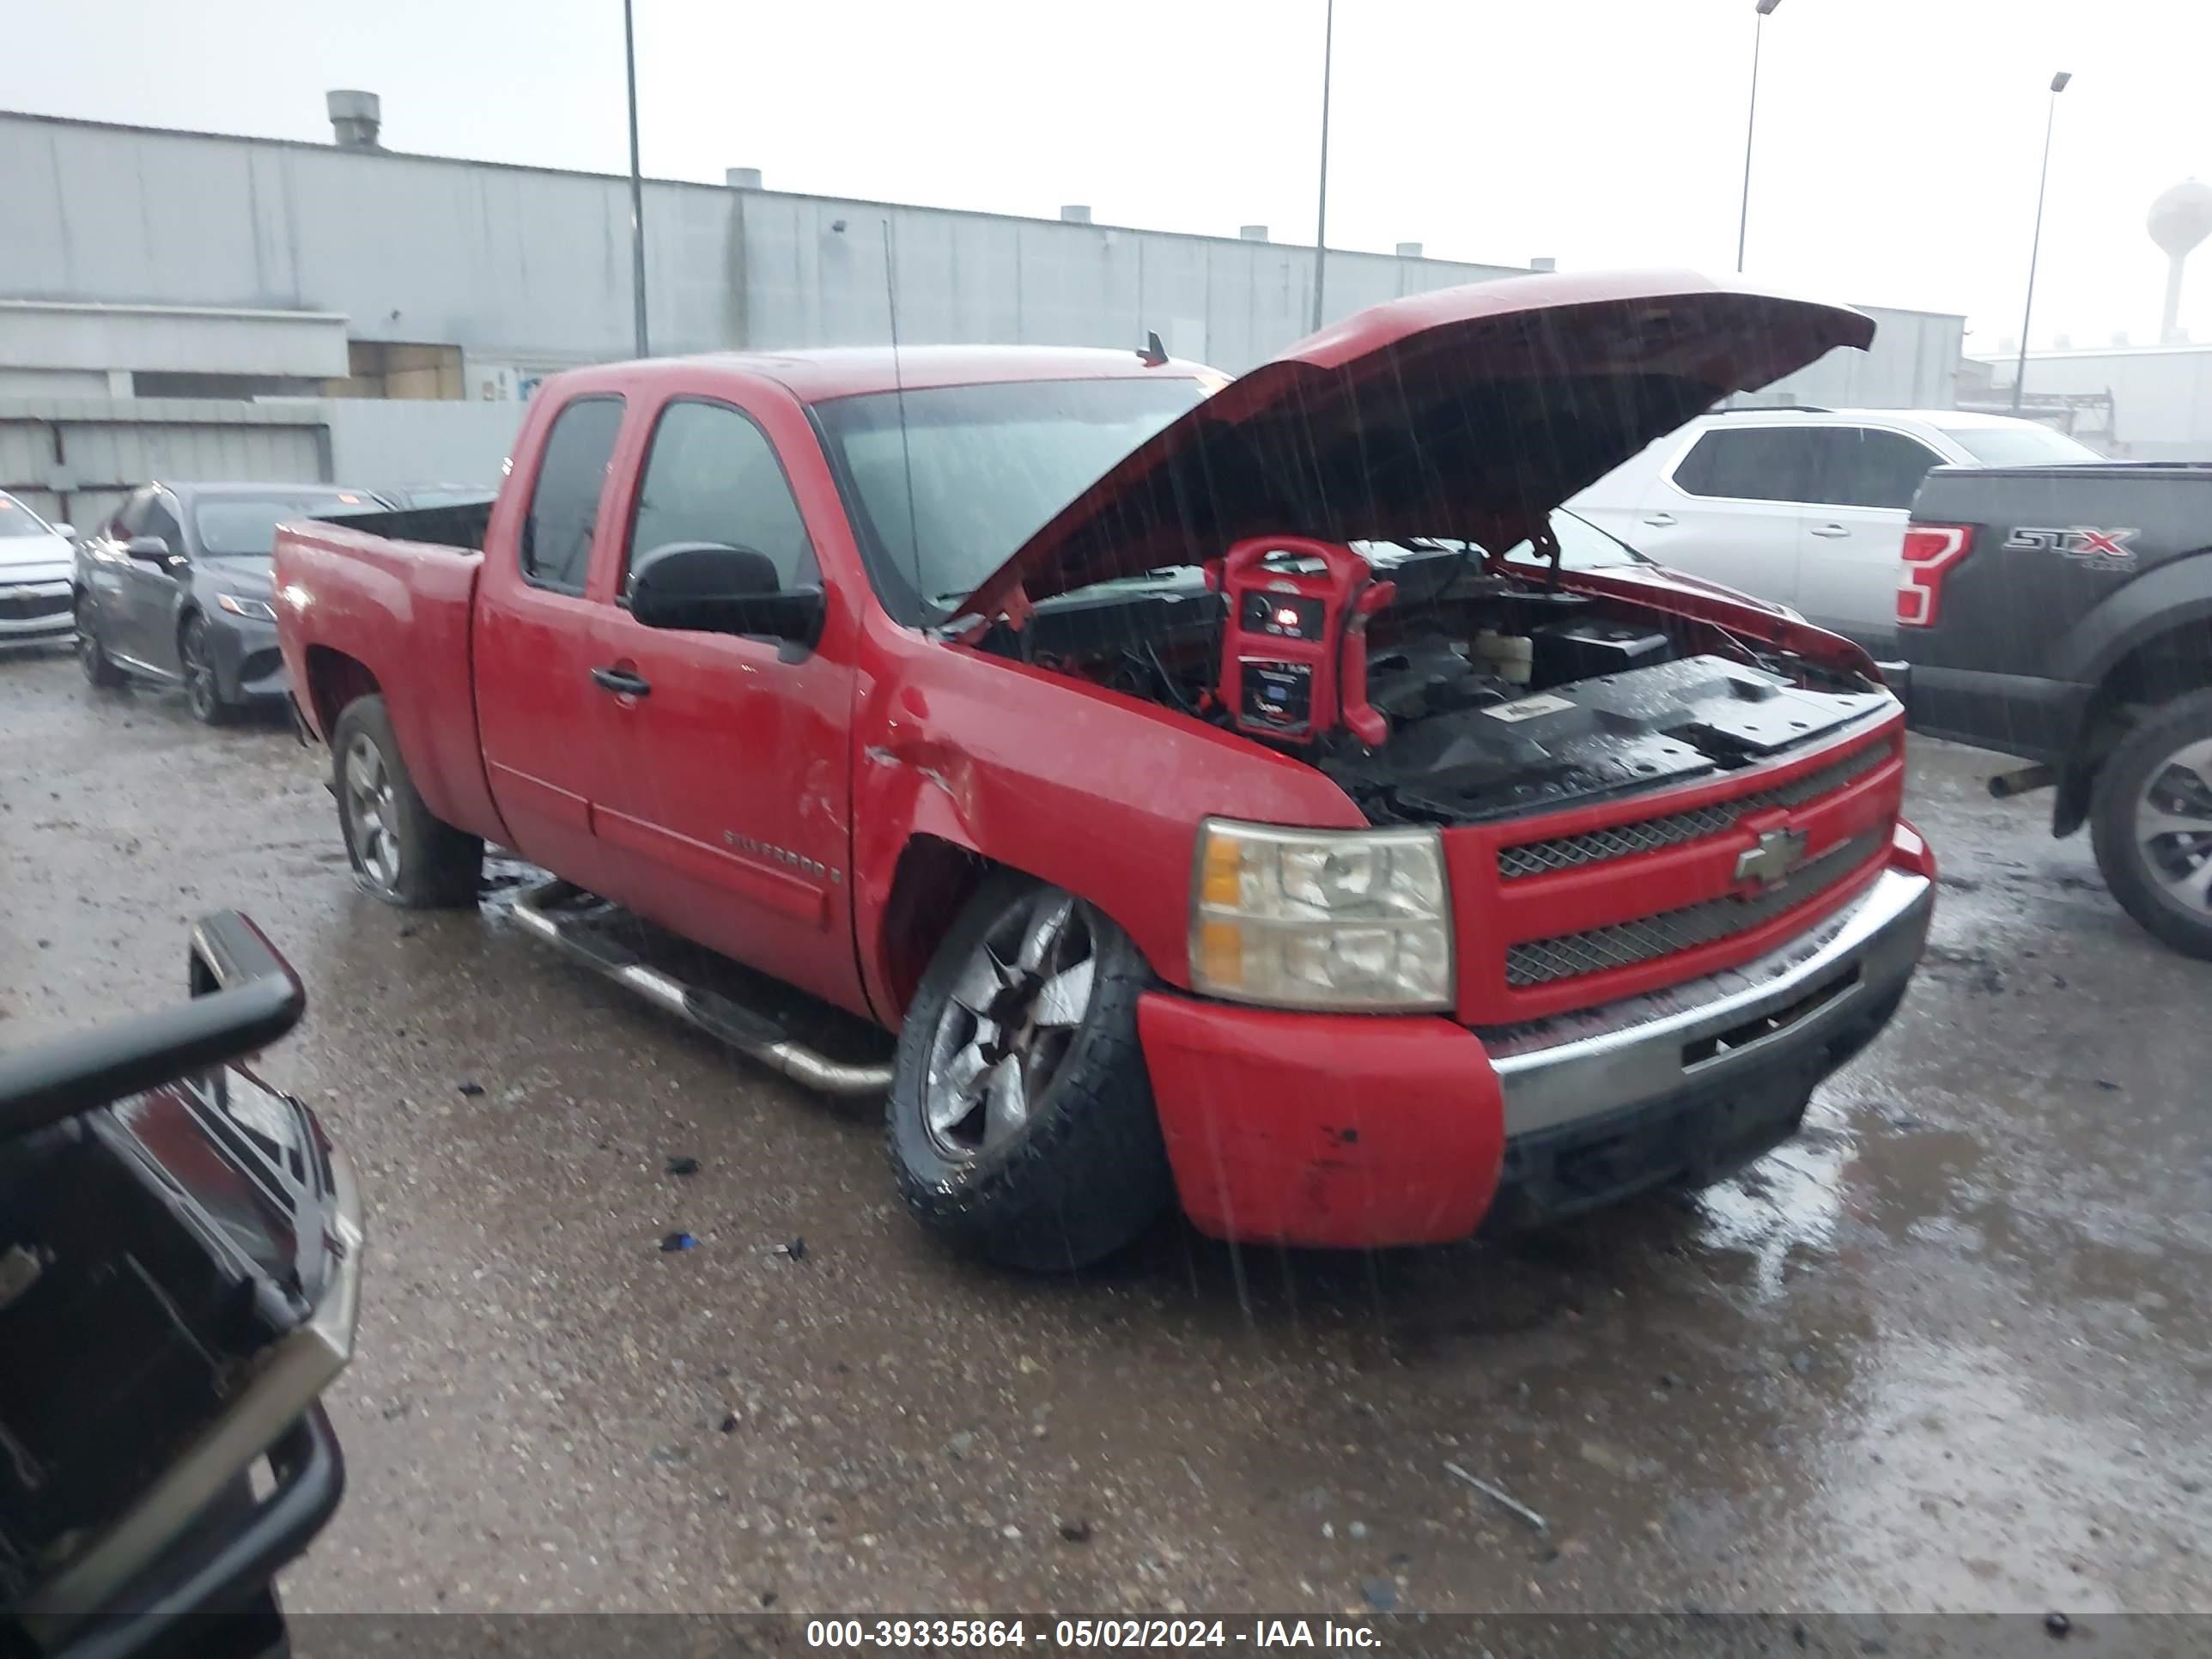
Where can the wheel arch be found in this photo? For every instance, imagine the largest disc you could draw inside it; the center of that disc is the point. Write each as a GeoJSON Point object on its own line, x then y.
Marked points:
{"type": "Point", "coordinates": [335, 678]}
{"type": "Point", "coordinates": [933, 880]}
{"type": "Point", "coordinates": [2168, 660]}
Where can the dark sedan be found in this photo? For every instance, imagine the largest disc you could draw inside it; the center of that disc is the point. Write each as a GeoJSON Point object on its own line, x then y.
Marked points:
{"type": "Point", "coordinates": [174, 589]}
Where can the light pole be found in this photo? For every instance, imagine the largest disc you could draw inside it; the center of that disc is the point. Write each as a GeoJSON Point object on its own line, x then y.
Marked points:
{"type": "Point", "coordinates": [636, 189]}
{"type": "Point", "coordinates": [1320, 213]}
{"type": "Point", "coordinates": [2035, 248]}
{"type": "Point", "coordinates": [1750, 124]}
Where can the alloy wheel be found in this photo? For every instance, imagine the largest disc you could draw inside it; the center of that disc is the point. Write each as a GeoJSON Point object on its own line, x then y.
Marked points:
{"type": "Point", "coordinates": [2173, 825]}
{"type": "Point", "coordinates": [370, 810]}
{"type": "Point", "coordinates": [200, 688]}
{"type": "Point", "coordinates": [1014, 1014]}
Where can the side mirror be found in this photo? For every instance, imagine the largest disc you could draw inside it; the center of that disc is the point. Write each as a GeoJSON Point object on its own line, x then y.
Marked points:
{"type": "Point", "coordinates": [154, 549]}
{"type": "Point", "coordinates": [708, 588]}
{"type": "Point", "coordinates": [66, 532]}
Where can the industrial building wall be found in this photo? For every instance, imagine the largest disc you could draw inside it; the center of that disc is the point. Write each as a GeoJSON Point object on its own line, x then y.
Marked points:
{"type": "Point", "coordinates": [525, 269]}
{"type": "Point", "coordinates": [75, 459]}
{"type": "Point", "coordinates": [2161, 395]}
{"type": "Point", "coordinates": [818, 271]}
{"type": "Point", "coordinates": [375, 444]}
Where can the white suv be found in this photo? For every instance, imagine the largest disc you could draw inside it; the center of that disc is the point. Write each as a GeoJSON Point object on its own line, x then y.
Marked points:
{"type": "Point", "coordinates": [1805, 507]}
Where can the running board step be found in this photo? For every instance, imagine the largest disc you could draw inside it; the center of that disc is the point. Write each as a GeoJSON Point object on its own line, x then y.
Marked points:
{"type": "Point", "coordinates": [751, 1034]}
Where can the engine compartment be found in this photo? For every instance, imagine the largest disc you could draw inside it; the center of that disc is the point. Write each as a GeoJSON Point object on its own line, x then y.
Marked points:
{"type": "Point", "coordinates": [1436, 691]}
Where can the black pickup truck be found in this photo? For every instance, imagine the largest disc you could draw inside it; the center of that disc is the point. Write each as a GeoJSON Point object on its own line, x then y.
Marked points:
{"type": "Point", "coordinates": [2063, 614]}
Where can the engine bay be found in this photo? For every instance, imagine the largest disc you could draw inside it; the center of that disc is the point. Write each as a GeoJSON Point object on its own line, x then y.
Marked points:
{"type": "Point", "coordinates": [1433, 689]}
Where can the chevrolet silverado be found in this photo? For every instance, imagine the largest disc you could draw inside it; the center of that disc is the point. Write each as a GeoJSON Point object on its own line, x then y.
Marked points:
{"type": "Point", "coordinates": [1218, 785]}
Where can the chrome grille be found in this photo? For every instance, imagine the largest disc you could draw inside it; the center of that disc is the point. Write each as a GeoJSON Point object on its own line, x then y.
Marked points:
{"type": "Point", "coordinates": [1623, 944]}
{"type": "Point", "coordinates": [1539, 858]}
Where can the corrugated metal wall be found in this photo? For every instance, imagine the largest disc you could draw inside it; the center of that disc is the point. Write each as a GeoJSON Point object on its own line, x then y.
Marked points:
{"type": "Point", "coordinates": [74, 459]}
{"type": "Point", "coordinates": [2161, 397]}
{"type": "Point", "coordinates": [531, 268]}
{"type": "Point", "coordinates": [978, 278]}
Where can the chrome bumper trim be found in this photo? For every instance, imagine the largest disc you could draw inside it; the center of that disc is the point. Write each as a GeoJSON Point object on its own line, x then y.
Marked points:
{"type": "Point", "coordinates": [1639, 1051]}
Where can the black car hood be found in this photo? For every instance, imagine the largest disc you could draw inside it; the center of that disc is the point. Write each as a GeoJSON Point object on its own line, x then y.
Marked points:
{"type": "Point", "coordinates": [1467, 412]}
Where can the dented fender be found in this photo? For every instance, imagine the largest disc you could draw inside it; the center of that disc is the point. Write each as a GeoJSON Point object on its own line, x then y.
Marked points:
{"type": "Point", "coordinates": [1092, 791]}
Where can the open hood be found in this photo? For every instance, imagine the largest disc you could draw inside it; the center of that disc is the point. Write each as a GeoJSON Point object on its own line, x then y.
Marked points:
{"type": "Point", "coordinates": [1468, 412]}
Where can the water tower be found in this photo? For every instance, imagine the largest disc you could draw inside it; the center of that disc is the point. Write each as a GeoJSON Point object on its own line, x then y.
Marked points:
{"type": "Point", "coordinates": [2179, 220]}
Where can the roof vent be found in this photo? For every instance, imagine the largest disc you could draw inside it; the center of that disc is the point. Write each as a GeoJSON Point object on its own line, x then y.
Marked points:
{"type": "Point", "coordinates": [356, 119]}
{"type": "Point", "coordinates": [1409, 250]}
{"type": "Point", "coordinates": [1252, 233]}
{"type": "Point", "coordinates": [1543, 264]}
{"type": "Point", "coordinates": [742, 178]}
{"type": "Point", "coordinates": [1075, 214]}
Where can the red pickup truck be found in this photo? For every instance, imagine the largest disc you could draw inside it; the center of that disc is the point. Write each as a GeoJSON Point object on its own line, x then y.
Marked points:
{"type": "Point", "coordinates": [1288, 826]}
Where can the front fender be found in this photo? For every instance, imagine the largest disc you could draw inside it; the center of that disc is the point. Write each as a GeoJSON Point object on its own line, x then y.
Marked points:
{"type": "Point", "coordinates": [1092, 791]}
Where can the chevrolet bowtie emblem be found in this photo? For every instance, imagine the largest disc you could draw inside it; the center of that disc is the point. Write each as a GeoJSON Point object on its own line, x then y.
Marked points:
{"type": "Point", "coordinates": [1779, 853]}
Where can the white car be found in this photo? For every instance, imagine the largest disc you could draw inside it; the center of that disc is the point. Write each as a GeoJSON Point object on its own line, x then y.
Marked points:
{"type": "Point", "coordinates": [1805, 507]}
{"type": "Point", "coordinates": [34, 576]}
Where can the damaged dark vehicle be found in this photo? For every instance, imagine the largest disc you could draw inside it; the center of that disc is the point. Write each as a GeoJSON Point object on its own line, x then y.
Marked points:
{"type": "Point", "coordinates": [180, 1254]}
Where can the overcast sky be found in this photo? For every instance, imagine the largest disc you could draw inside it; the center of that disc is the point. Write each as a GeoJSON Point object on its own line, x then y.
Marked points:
{"type": "Point", "coordinates": [1896, 160]}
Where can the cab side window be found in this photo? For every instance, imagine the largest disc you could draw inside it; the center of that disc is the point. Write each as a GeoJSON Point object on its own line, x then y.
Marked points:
{"type": "Point", "coordinates": [158, 520]}
{"type": "Point", "coordinates": [712, 474]}
{"type": "Point", "coordinates": [129, 515]}
{"type": "Point", "coordinates": [564, 502]}
{"type": "Point", "coordinates": [1750, 463]}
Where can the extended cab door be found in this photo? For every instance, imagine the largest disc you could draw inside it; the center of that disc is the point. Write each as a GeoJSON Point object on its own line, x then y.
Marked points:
{"type": "Point", "coordinates": [1728, 508]}
{"type": "Point", "coordinates": [1851, 538]}
{"type": "Point", "coordinates": [728, 790]}
{"type": "Point", "coordinates": [537, 707]}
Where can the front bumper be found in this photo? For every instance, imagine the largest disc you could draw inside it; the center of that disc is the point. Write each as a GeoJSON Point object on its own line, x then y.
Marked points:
{"type": "Point", "coordinates": [248, 666]}
{"type": "Point", "coordinates": [1353, 1132]}
{"type": "Point", "coordinates": [35, 611]}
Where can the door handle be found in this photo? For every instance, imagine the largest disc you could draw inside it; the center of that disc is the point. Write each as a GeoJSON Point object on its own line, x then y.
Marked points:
{"type": "Point", "coordinates": [1660, 520]}
{"type": "Point", "coordinates": [621, 683]}
{"type": "Point", "coordinates": [1830, 531]}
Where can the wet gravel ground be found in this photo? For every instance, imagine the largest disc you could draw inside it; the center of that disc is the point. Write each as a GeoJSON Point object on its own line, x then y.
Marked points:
{"type": "Point", "coordinates": [1947, 1350]}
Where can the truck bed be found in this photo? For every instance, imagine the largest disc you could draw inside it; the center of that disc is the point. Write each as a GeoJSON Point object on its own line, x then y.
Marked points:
{"type": "Point", "coordinates": [2068, 567]}
{"type": "Point", "coordinates": [394, 616]}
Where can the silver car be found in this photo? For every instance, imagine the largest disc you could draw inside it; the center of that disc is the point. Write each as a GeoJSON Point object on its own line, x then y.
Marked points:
{"type": "Point", "coordinates": [34, 575]}
{"type": "Point", "coordinates": [1805, 507]}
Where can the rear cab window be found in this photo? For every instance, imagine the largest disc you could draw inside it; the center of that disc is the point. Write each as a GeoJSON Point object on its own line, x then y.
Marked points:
{"type": "Point", "coordinates": [564, 499]}
{"type": "Point", "coordinates": [711, 474]}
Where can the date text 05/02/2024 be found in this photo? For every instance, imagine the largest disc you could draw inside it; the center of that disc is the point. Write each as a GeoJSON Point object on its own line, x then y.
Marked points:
{"type": "Point", "coordinates": [939, 1634]}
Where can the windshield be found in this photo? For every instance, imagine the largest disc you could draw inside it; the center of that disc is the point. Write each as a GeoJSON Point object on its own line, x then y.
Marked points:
{"type": "Point", "coordinates": [238, 525]}
{"type": "Point", "coordinates": [17, 520]}
{"type": "Point", "coordinates": [1582, 546]}
{"type": "Point", "coordinates": [2021, 446]}
{"type": "Point", "coordinates": [979, 469]}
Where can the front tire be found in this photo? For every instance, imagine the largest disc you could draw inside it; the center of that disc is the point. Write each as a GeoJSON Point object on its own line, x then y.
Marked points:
{"type": "Point", "coordinates": [401, 851]}
{"type": "Point", "coordinates": [202, 690]}
{"type": "Point", "coordinates": [2152, 824]}
{"type": "Point", "coordinates": [1021, 1122]}
{"type": "Point", "coordinates": [100, 669]}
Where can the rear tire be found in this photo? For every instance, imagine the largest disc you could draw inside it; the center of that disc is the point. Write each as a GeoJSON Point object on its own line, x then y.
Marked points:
{"type": "Point", "coordinates": [1021, 1122]}
{"type": "Point", "coordinates": [100, 669]}
{"type": "Point", "coordinates": [2151, 823]}
{"type": "Point", "coordinates": [401, 851]}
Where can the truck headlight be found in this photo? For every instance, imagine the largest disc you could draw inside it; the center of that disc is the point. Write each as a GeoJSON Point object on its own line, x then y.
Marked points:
{"type": "Point", "coordinates": [1355, 921]}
